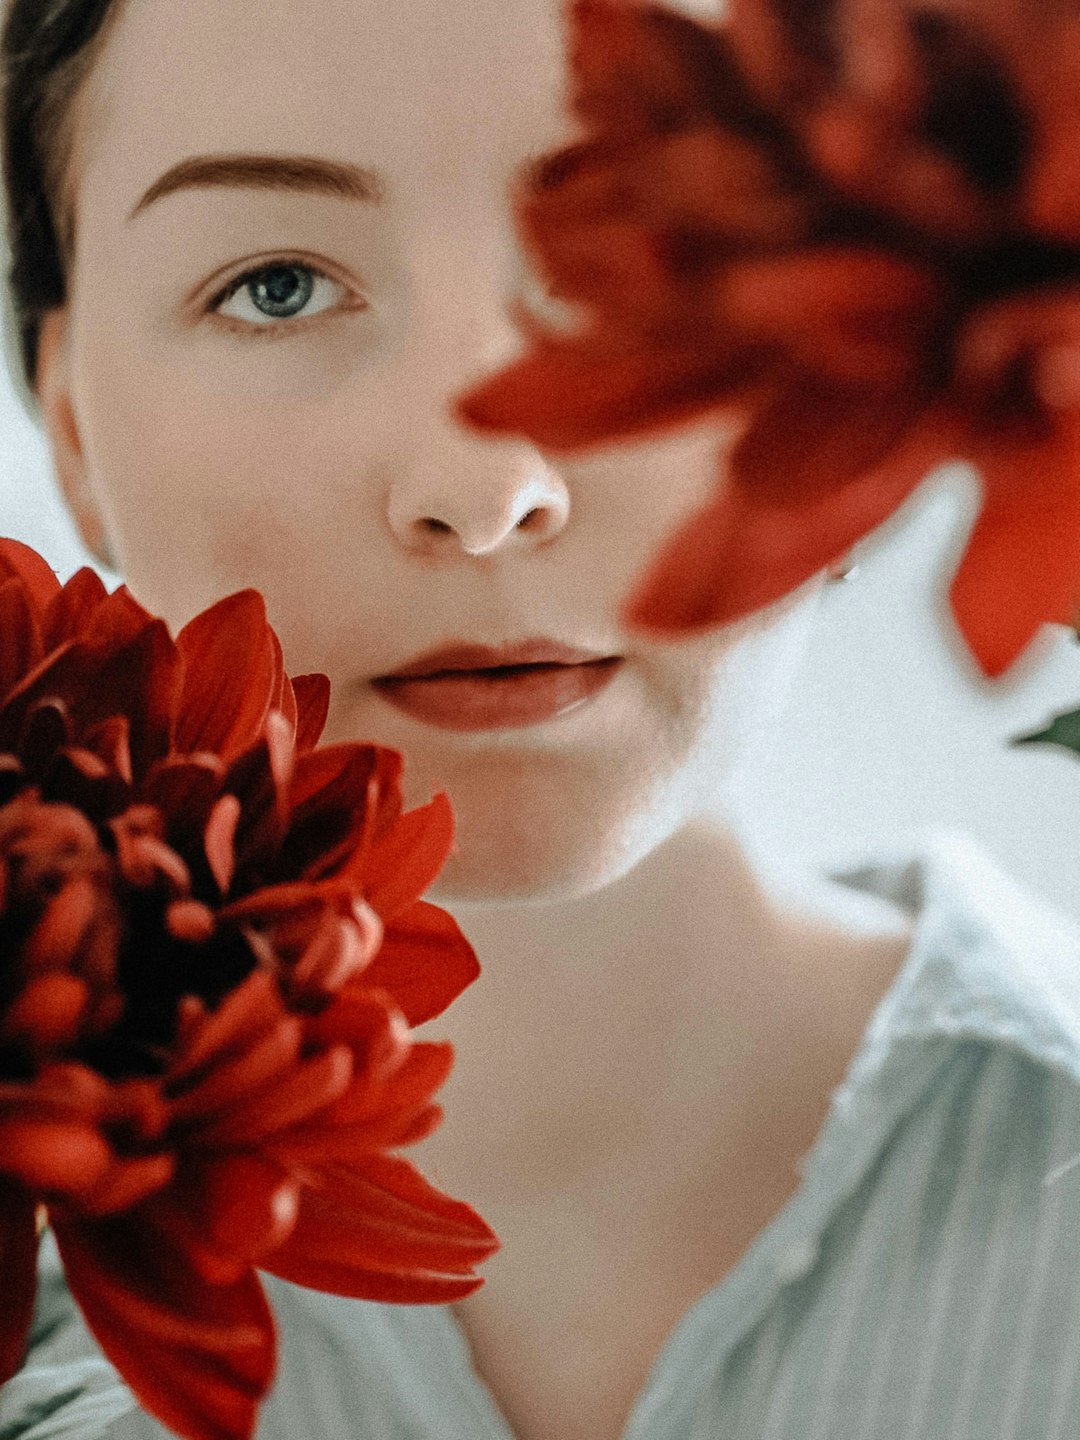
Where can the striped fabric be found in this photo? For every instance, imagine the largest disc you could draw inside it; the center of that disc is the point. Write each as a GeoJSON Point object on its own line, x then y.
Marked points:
{"type": "Point", "coordinates": [923, 1284]}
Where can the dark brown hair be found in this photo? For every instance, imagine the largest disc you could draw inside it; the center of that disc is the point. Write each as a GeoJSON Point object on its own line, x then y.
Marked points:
{"type": "Point", "coordinates": [46, 50]}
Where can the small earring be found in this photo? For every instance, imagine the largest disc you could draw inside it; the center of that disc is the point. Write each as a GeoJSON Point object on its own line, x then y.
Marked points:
{"type": "Point", "coordinates": [842, 570]}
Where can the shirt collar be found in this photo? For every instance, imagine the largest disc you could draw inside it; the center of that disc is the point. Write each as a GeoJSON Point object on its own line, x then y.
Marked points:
{"type": "Point", "coordinates": [988, 961]}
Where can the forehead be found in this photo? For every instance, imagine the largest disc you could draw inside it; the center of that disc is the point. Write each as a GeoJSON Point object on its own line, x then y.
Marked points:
{"type": "Point", "coordinates": [420, 86]}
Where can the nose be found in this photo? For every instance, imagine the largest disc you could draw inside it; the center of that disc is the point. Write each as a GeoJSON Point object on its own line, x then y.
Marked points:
{"type": "Point", "coordinates": [454, 491]}
{"type": "Point", "coordinates": [473, 496]}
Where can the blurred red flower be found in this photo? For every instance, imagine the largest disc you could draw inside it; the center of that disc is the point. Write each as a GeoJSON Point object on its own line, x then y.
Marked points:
{"type": "Point", "coordinates": [212, 949]}
{"type": "Point", "coordinates": [851, 228]}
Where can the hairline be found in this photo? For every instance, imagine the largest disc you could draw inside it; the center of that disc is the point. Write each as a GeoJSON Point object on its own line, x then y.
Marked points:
{"type": "Point", "coordinates": [65, 114]}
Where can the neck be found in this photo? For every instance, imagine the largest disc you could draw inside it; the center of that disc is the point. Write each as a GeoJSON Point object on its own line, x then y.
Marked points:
{"type": "Point", "coordinates": [660, 994]}
{"type": "Point", "coordinates": [594, 945]}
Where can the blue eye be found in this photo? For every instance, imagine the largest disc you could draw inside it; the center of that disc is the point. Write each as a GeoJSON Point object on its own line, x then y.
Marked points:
{"type": "Point", "coordinates": [279, 292]}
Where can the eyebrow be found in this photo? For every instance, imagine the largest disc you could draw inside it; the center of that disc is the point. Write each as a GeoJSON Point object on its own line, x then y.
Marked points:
{"type": "Point", "coordinates": [297, 173]}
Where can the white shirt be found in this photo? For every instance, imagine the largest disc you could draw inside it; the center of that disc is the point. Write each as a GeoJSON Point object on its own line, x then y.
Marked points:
{"type": "Point", "coordinates": [922, 1284]}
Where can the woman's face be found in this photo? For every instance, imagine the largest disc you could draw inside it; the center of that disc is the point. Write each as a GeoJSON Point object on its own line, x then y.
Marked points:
{"type": "Point", "coordinates": [251, 385]}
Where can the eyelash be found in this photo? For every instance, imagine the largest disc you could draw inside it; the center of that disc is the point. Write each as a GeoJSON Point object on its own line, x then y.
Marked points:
{"type": "Point", "coordinates": [279, 329]}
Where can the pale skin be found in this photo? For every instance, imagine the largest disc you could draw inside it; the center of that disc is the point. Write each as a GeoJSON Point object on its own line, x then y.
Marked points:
{"type": "Point", "coordinates": [655, 1039]}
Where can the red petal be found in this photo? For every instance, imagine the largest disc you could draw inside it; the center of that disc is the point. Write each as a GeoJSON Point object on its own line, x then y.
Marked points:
{"type": "Point", "coordinates": [219, 840]}
{"type": "Point", "coordinates": [296, 900]}
{"type": "Point", "coordinates": [285, 1102]}
{"type": "Point", "coordinates": [817, 437]}
{"type": "Point", "coordinates": [329, 799]}
{"type": "Point", "coordinates": [405, 861]}
{"type": "Point", "coordinates": [18, 1265]}
{"type": "Point", "coordinates": [762, 34]}
{"type": "Point", "coordinates": [403, 1080]}
{"type": "Point", "coordinates": [244, 1204]}
{"type": "Point", "coordinates": [111, 742]}
{"type": "Point", "coordinates": [575, 395]}
{"type": "Point", "coordinates": [52, 1155]}
{"type": "Point", "coordinates": [190, 921]}
{"type": "Point", "coordinates": [846, 314]}
{"type": "Point", "coordinates": [32, 690]}
{"type": "Point", "coordinates": [1049, 201]}
{"type": "Point", "coordinates": [65, 921]}
{"type": "Point", "coordinates": [46, 730]}
{"type": "Point", "coordinates": [327, 777]}
{"type": "Point", "coordinates": [613, 264]}
{"type": "Point", "coordinates": [312, 707]}
{"type": "Point", "coordinates": [745, 550]}
{"type": "Point", "coordinates": [199, 1356]}
{"type": "Point", "coordinates": [64, 1091]}
{"type": "Point", "coordinates": [360, 1016]}
{"type": "Point", "coordinates": [128, 1183]}
{"type": "Point", "coordinates": [223, 1086]}
{"type": "Point", "coordinates": [21, 645]}
{"type": "Point", "coordinates": [373, 1115]}
{"type": "Point", "coordinates": [395, 1131]}
{"type": "Point", "coordinates": [247, 1013]}
{"type": "Point", "coordinates": [261, 776]}
{"type": "Point", "coordinates": [36, 574]}
{"type": "Point", "coordinates": [381, 1232]}
{"type": "Point", "coordinates": [384, 798]}
{"type": "Point", "coordinates": [279, 682]}
{"type": "Point", "coordinates": [636, 66]}
{"type": "Point", "coordinates": [425, 962]}
{"type": "Point", "coordinates": [726, 187]}
{"type": "Point", "coordinates": [184, 788]}
{"type": "Point", "coordinates": [45, 1014]}
{"type": "Point", "coordinates": [339, 949]}
{"type": "Point", "coordinates": [230, 676]}
{"type": "Point", "coordinates": [70, 610]}
{"type": "Point", "coordinates": [235, 1077]}
{"type": "Point", "coordinates": [141, 680]}
{"type": "Point", "coordinates": [343, 1144]}
{"type": "Point", "coordinates": [116, 621]}
{"type": "Point", "coordinates": [1021, 567]}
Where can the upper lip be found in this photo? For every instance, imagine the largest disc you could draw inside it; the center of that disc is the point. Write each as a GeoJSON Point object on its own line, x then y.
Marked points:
{"type": "Point", "coordinates": [463, 656]}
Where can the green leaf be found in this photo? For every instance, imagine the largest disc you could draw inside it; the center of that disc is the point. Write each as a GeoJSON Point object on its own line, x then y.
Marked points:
{"type": "Point", "coordinates": [1063, 730]}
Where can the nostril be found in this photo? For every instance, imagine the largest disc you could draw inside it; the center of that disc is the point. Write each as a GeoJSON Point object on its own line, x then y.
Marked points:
{"type": "Point", "coordinates": [479, 525]}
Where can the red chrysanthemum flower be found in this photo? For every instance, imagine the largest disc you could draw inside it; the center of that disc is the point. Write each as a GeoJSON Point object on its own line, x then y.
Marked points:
{"type": "Point", "coordinates": [212, 949]}
{"type": "Point", "coordinates": [855, 229]}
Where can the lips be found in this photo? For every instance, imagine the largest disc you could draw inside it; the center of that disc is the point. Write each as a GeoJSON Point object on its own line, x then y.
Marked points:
{"type": "Point", "coordinates": [478, 687]}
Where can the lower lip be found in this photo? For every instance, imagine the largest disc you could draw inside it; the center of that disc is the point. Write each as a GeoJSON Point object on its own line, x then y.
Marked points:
{"type": "Point", "coordinates": [498, 699]}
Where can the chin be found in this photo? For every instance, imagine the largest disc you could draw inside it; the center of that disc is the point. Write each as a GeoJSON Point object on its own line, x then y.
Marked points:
{"type": "Point", "coordinates": [523, 841]}
{"type": "Point", "coordinates": [491, 871]}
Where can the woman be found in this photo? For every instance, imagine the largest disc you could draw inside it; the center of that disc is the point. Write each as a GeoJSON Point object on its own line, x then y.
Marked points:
{"type": "Point", "coordinates": [252, 274]}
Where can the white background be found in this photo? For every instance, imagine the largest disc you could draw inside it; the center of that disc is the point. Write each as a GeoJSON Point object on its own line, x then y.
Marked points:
{"type": "Point", "coordinates": [889, 730]}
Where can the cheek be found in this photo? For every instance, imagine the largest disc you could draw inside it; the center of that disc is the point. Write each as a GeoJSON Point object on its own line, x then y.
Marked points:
{"type": "Point", "coordinates": [720, 693]}
{"type": "Point", "coordinates": [631, 498]}
{"type": "Point", "coordinates": [206, 491]}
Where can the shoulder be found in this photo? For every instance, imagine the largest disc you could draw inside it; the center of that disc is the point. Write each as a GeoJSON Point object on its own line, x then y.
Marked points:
{"type": "Point", "coordinates": [989, 961]}
{"type": "Point", "coordinates": [966, 1086]}
{"type": "Point", "coordinates": [942, 1203]}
